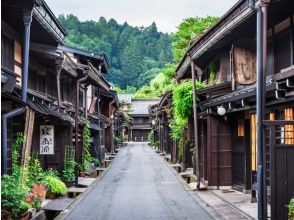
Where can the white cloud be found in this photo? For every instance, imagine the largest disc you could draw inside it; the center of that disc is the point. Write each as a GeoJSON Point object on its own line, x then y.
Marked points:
{"type": "Point", "coordinates": [166, 13]}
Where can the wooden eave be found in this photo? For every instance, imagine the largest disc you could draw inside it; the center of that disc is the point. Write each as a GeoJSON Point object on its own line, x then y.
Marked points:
{"type": "Point", "coordinates": [165, 100]}
{"type": "Point", "coordinates": [279, 82]}
{"type": "Point", "coordinates": [46, 18]}
{"type": "Point", "coordinates": [218, 89]}
{"type": "Point", "coordinates": [86, 56]}
{"type": "Point", "coordinates": [96, 76]}
{"type": "Point", "coordinates": [238, 13]}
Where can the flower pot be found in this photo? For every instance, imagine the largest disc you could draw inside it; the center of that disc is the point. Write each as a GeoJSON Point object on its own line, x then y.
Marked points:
{"type": "Point", "coordinates": [5, 215]}
{"type": "Point", "coordinates": [70, 183]}
{"type": "Point", "coordinates": [51, 195]}
{"type": "Point", "coordinates": [25, 216]}
{"type": "Point", "coordinates": [40, 191]}
{"type": "Point", "coordinates": [83, 174]}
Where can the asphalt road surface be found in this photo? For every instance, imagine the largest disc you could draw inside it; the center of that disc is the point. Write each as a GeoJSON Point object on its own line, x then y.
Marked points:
{"type": "Point", "coordinates": [139, 185]}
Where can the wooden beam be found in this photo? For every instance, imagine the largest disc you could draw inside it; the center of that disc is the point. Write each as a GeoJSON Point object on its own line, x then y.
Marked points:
{"type": "Point", "coordinates": [28, 132]}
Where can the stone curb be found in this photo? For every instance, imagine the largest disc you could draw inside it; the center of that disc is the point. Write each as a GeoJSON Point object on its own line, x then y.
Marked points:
{"type": "Point", "coordinates": [83, 195]}
{"type": "Point", "coordinates": [234, 207]}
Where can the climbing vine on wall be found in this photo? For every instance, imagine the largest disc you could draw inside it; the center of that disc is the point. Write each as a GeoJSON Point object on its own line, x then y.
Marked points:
{"type": "Point", "coordinates": [87, 158]}
{"type": "Point", "coordinates": [182, 109]}
{"type": "Point", "coordinates": [20, 138]}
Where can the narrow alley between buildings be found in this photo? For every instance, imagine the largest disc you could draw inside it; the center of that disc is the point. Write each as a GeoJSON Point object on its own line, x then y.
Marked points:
{"type": "Point", "coordinates": [138, 185]}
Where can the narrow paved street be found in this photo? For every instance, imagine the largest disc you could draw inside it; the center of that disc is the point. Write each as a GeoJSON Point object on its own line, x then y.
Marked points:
{"type": "Point", "coordinates": [139, 185]}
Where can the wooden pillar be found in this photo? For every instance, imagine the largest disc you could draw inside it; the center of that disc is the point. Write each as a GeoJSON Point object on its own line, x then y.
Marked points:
{"type": "Point", "coordinates": [28, 132]}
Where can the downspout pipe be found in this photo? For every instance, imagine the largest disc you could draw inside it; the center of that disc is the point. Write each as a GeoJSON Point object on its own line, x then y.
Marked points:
{"type": "Point", "coordinates": [5, 117]}
{"type": "Point", "coordinates": [111, 137]}
{"type": "Point", "coordinates": [261, 48]}
{"type": "Point", "coordinates": [27, 19]}
{"type": "Point", "coordinates": [26, 52]}
{"type": "Point", "coordinates": [195, 124]}
{"type": "Point", "coordinates": [79, 81]}
{"type": "Point", "coordinates": [58, 81]}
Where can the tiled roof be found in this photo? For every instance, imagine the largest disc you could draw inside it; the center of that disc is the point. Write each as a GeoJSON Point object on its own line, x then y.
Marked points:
{"type": "Point", "coordinates": [140, 106]}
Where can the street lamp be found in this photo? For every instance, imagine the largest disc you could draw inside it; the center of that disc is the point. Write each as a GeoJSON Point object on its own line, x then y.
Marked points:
{"type": "Point", "coordinates": [221, 110]}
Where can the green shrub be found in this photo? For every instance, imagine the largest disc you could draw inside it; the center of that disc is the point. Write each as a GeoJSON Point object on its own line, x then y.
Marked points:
{"type": "Point", "coordinates": [13, 196]}
{"type": "Point", "coordinates": [55, 185]}
{"type": "Point", "coordinates": [291, 209]}
{"type": "Point", "coordinates": [69, 163]}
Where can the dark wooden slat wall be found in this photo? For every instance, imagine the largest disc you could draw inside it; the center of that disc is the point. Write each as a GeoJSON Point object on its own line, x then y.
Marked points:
{"type": "Point", "coordinates": [220, 152]}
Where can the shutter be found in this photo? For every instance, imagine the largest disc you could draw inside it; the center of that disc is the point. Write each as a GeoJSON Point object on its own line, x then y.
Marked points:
{"type": "Point", "coordinates": [253, 142]}
{"type": "Point", "coordinates": [18, 61]}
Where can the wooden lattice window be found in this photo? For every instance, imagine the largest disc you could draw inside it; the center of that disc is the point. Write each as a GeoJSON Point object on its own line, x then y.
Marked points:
{"type": "Point", "coordinates": [289, 129]}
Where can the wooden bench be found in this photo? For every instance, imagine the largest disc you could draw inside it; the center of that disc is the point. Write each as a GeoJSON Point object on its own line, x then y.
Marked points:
{"type": "Point", "coordinates": [111, 157]}
{"type": "Point", "coordinates": [100, 170]}
{"type": "Point", "coordinates": [75, 191]}
{"type": "Point", "coordinates": [85, 181]}
{"type": "Point", "coordinates": [106, 163]}
{"type": "Point", "coordinates": [177, 167]}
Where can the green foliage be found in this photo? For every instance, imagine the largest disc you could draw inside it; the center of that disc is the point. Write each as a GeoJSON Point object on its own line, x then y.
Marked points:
{"type": "Point", "coordinates": [17, 144]}
{"type": "Point", "coordinates": [87, 157]}
{"type": "Point", "coordinates": [150, 138]}
{"type": "Point", "coordinates": [189, 31]}
{"type": "Point", "coordinates": [162, 82]}
{"type": "Point", "coordinates": [35, 172]}
{"type": "Point", "coordinates": [153, 143]}
{"type": "Point", "coordinates": [117, 140]}
{"type": "Point", "coordinates": [134, 53]}
{"type": "Point", "coordinates": [55, 185]}
{"type": "Point", "coordinates": [291, 209]}
{"type": "Point", "coordinates": [13, 196]}
{"type": "Point", "coordinates": [69, 164]}
{"type": "Point", "coordinates": [183, 99]}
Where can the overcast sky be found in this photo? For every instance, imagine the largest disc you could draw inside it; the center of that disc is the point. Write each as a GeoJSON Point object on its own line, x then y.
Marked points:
{"type": "Point", "coordinates": [166, 13]}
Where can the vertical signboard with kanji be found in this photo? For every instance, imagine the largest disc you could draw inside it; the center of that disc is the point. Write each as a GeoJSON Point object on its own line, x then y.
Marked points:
{"type": "Point", "coordinates": [46, 139]}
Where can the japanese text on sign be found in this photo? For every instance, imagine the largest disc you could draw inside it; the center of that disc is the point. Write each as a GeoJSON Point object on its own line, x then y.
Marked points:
{"type": "Point", "coordinates": [46, 139]}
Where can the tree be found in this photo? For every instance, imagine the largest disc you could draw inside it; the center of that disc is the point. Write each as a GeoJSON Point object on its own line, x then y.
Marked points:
{"type": "Point", "coordinates": [135, 54]}
{"type": "Point", "coordinates": [189, 31]}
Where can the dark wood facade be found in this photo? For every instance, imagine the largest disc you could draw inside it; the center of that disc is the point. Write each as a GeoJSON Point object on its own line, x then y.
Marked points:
{"type": "Point", "coordinates": [228, 154]}
{"type": "Point", "coordinates": [66, 87]}
{"type": "Point", "coordinates": [140, 126]}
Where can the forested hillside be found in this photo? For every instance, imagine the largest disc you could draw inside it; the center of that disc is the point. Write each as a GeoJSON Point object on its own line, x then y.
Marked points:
{"type": "Point", "coordinates": [135, 54]}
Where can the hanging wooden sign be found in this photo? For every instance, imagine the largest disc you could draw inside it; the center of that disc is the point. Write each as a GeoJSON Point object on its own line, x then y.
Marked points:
{"type": "Point", "coordinates": [244, 62]}
{"type": "Point", "coordinates": [46, 139]}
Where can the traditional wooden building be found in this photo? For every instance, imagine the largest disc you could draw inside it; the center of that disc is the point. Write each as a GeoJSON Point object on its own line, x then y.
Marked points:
{"type": "Point", "coordinates": [162, 120]}
{"type": "Point", "coordinates": [109, 108]}
{"type": "Point", "coordinates": [139, 113]}
{"type": "Point", "coordinates": [125, 101]}
{"type": "Point", "coordinates": [25, 23]}
{"type": "Point", "coordinates": [225, 58]}
{"type": "Point", "coordinates": [50, 91]}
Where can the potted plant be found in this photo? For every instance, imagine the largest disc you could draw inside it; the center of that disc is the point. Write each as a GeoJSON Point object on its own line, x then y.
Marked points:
{"type": "Point", "coordinates": [55, 187]}
{"type": "Point", "coordinates": [39, 191]}
{"type": "Point", "coordinates": [13, 196]}
{"type": "Point", "coordinates": [69, 173]}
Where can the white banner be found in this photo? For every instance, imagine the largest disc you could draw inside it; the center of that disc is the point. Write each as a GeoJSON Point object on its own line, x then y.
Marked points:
{"type": "Point", "coordinates": [46, 139]}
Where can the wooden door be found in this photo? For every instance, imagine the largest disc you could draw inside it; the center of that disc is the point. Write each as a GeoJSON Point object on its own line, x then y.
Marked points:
{"type": "Point", "coordinates": [238, 152]}
{"type": "Point", "coordinates": [203, 148]}
{"type": "Point", "coordinates": [219, 151]}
